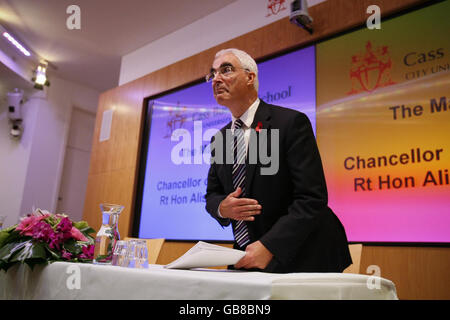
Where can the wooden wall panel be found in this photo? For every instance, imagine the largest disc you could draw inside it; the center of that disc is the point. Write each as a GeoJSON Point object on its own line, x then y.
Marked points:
{"type": "Point", "coordinates": [110, 187]}
{"type": "Point", "coordinates": [114, 163]}
{"type": "Point", "coordinates": [418, 272]}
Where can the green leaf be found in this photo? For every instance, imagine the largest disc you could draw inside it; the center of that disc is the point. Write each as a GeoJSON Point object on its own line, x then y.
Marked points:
{"type": "Point", "coordinates": [54, 255]}
{"type": "Point", "coordinates": [104, 258]}
{"type": "Point", "coordinates": [31, 251]}
{"type": "Point", "coordinates": [83, 227]}
{"type": "Point", "coordinates": [8, 250]}
{"type": "Point", "coordinates": [28, 252]}
{"type": "Point", "coordinates": [73, 247]}
{"type": "Point", "coordinates": [80, 225]}
{"type": "Point", "coordinates": [52, 221]}
{"type": "Point", "coordinates": [3, 236]}
{"type": "Point", "coordinates": [11, 236]}
{"type": "Point", "coordinates": [9, 229]}
{"type": "Point", "coordinates": [88, 231]}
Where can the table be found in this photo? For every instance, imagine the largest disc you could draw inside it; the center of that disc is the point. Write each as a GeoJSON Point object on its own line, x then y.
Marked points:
{"type": "Point", "coordinates": [63, 280]}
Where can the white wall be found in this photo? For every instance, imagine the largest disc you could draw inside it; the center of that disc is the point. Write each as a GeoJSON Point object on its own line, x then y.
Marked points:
{"type": "Point", "coordinates": [234, 20]}
{"type": "Point", "coordinates": [30, 169]}
{"type": "Point", "coordinates": [14, 158]}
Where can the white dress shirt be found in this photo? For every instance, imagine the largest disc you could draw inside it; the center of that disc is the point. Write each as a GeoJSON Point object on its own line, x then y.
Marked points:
{"type": "Point", "coordinates": [247, 118]}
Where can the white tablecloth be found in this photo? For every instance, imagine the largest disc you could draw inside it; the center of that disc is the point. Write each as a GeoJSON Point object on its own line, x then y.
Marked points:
{"type": "Point", "coordinates": [61, 280]}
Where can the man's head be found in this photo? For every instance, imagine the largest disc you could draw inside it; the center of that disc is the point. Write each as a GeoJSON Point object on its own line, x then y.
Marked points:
{"type": "Point", "coordinates": [234, 78]}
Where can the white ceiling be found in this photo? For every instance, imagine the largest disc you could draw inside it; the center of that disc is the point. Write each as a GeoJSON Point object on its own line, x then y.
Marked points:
{"type": "Point", "coordinates": [109, 30]}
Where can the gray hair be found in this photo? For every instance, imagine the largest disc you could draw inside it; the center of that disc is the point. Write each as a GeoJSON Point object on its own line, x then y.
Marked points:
{"type": "Point", "coordinates": [247, 62]}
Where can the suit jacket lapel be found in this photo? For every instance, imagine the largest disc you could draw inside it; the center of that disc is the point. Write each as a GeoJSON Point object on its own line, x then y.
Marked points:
{"type": "Point", "coordinates": [261, 120]}
{"type": "Point", "coordinates": [227, 147]}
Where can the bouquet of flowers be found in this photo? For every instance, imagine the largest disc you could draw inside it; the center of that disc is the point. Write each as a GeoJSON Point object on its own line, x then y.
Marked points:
{"type": "Point", "coordinates": [43, 237]}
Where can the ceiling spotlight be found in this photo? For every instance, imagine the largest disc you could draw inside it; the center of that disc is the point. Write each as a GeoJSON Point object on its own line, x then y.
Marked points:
{"type": "Point", "coordinates": [16, 44]}
{"type": "Point", "coordinates": [40, 79]}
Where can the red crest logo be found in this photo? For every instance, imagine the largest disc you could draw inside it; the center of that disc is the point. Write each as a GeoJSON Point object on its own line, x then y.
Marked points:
{"type": "Point", "coordinates": [177, 118]}
{"type": "Point", "coordinates": [371, 69]}
{"type": "Point", "coordinates": [275, 6]}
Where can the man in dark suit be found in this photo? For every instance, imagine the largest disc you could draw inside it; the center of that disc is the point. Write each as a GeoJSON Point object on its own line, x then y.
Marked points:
{"type": "Point", "coordinates": [282, 219]}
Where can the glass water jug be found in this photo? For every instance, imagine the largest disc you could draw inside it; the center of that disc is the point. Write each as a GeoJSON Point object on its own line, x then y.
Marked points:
{"type": "Point", "coordinates": [108, 234]}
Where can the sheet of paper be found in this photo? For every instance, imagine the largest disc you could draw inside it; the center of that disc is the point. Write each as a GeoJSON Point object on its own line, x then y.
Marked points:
{"type": "Point", "coordinates": [204, 255]}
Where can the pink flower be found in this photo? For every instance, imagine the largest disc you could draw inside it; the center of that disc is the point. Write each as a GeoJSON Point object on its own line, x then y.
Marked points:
{"type": "Point", "coordinates": [66, 255]}
{"type": "Point", "coordinates": [56, 240]}
{"type": "Point", "coordinates": [64, 228]}
{"type": "Point", "coordinates": [26, 224]}
{"type": "Point", "coordinates": [77, 235]}
{"type": "Point", "coordinates": [42, 231]}
{"type": "Point", "coordinates": [88, 252]}
{"type": "Point", "coordinates": [65, 225]}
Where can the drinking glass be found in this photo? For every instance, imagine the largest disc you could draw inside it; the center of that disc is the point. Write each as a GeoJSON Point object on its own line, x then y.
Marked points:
{"type": "Point", "coordinates": [140, 254]}
{"type": "Point", "coordinates": [120, 254]}
{"type": "Point", "coordinates": [130, 253]}
{"type": "Point", "coordinates": [137, 254]}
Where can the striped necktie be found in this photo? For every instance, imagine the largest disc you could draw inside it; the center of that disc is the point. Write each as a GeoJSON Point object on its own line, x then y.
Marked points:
{"type": "Point", "coordinates": [238, 173]}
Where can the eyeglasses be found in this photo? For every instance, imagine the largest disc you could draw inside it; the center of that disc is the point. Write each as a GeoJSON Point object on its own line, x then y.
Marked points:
{"type": "Point", "coordinates": [225, 71]}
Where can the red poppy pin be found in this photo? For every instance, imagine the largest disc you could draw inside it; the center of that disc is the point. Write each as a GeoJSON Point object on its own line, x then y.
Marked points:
{"type": "Point", "coordinates": [258, 127]}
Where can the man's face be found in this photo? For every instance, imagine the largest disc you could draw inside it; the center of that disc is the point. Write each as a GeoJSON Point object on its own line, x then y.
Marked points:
{"type": "Point", "coordinates": [232, 87]}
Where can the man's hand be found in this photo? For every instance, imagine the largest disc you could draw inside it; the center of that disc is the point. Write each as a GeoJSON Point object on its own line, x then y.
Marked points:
{"type": "Point", "coordinates": [236, 208]}
{"type": "Point", "coordinates": [256, 256]}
